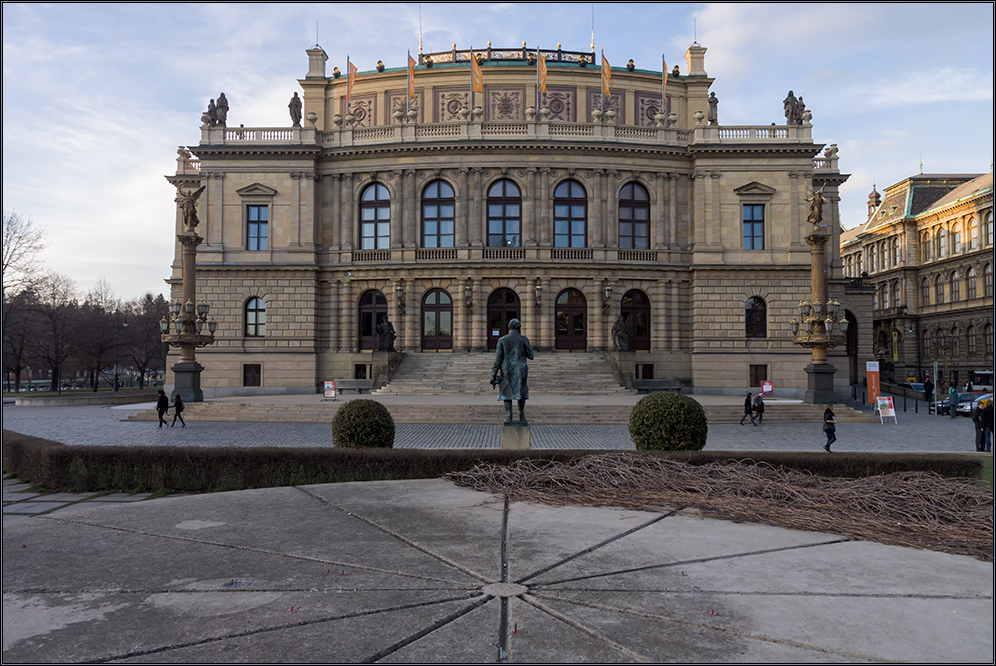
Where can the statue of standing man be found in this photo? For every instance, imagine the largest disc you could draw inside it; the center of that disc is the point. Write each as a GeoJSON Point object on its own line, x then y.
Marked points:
{"type": "Point", "coordinates": [222, 110]}
{"type": "Point", "coordinates": [510, 361]}
{"type": "Point", "coordinates": [792, 114]}
{"type": "Point", "coordinates": [295, 110]}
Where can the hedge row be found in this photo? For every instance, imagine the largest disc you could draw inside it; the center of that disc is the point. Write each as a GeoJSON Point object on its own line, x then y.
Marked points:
{"type": "Point", "coordinates": [57, 466]}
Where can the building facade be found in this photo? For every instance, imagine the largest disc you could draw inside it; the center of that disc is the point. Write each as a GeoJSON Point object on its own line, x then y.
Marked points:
{"type": "Point", "coordinates": [447, 212]}
{"type": "Point", "coordinates": [927, 251]}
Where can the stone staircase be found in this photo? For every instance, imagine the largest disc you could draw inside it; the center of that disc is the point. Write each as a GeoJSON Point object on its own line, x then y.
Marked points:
{"type": "Point", "coordinates": [488, 413]}
{"type": "Point", "coordinates": [469, 375]}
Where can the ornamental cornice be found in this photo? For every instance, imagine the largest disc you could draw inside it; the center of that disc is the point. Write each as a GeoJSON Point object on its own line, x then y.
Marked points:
{"type": "Point", "coordinates": [343, 152]}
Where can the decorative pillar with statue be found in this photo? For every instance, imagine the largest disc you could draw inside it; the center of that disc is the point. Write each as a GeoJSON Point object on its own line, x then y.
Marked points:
{"type": "Point", "coordinates": [821, 323]}
{"type": "Point", "coordinates": [184, 329]}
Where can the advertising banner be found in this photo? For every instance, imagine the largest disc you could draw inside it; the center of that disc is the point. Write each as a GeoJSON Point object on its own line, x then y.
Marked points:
{"type": "Point", "coordinates": [871, 371]}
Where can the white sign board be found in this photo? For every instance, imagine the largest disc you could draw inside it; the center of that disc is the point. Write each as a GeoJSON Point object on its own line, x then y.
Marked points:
{"type": "Point", "coordinates": [886, 409]}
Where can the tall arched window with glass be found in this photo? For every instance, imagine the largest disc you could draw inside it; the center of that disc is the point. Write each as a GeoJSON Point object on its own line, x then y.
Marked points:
{"type": "Point", "coordinates": [955, 286]}
{"type": "Point", "coordinates": [938, 290]}
{"type": "Point", "coordinates": [375, 218]}
{"type": "Point", "coordinates": [570, 215]}
{"type": "Point", "coordinates": [255, 318]}
{"type": "Point", "coordinates": [756, 318]}
{"type": "Point", "coordinates": [438, 215]}
{"type": "Point", "coordinates": [634, 217]}
{"type": "Point", "coordinates": [896, 294]}
{"type": "Point", "coordinates": [924, 292]}
{"type": "Point", "coordinates": [971, 280]}
{"type": "Point", "coordinates": [973, 234]}
{"type": "Point", "coordinates": [504, 215]}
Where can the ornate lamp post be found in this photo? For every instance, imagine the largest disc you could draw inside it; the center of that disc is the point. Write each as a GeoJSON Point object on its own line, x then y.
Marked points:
{"type": "Point", "coordinates": [821, 323]}
{"type": "Point", "coordinates": [185, 326]}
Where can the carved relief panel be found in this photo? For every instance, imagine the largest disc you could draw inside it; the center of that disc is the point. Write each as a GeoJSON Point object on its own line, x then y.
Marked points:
{"type": "Point", "coordinates": [363, 108]}
{"type": "Point", "coordinates": [448, 104]}
{"type": "Point", "coordinates": [612, 102]}
{"type": "Point", "coordinates": [507, 104]}
{"type": "Point", "coordinates": [562, 102]}
{"type": "Point", "coordinates": [647, 106]}
{"type": "Point", "coordinates": [398, 101]}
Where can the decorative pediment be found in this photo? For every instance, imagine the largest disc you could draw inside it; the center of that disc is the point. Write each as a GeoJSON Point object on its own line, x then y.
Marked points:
{"type": "Point", "coordinates": [755, 189]}
{"type": "Point", "coordinates": [256, 190]}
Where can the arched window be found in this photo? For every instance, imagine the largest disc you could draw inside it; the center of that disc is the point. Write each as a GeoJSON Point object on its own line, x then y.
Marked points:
{"type": "Point", "coordinates": [955, 343]}
{"type": "Point", "coordinates": [884, 296]}
{"type": "Point", "coordinates": [873, 258]}
{"type": "Point", "coordinates": [973, 234]}
{"type": "Point", "coordinates": [971, 281]}
{"type": "Point", "coordinates": [634, 217]}
{"type": "Point", "coordinates": [989, 228]}
{"type": "Point", "coordinates": [255, 318]}
{"type": "Point", "coordinates": [896, 294]}
{"type": "Point", "coordinates": [987, 278]}
{"type": "Point", "coordinates": [570, 215]}
{"type": "Point", "coordinates": [925, 346]}
{"type": "Point", "coordinates": [438, 214]}
{"type": "Point", "coordinates": [756, 318]}
{"type": "Point", "coordinates": [971, 340]}
{"type": "Point", "coordinates": [942, 243]}
{"type": "Point", "coordinates": [955, 287]}
{"type": "Point", "coordinates": [895, 251]}
{"type": "Point", "coordinates": [924, 292]}
{"type": "Point", "coordinates": [939, 290]}
{"type": "Point", "coordinates": [375, 218]}
{"type": "Point", "coordinates": [504, 215]}
{"type": "Point", "coordinates": [956, 239]}
{"type": "Point", "coordinates": [987, 338]}
{"type": "Point", "coordinates": [925, 246]}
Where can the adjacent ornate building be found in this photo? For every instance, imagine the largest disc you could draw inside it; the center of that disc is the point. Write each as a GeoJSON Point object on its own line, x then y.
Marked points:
{"type": "Point", "coordinates": [448, 212]}
{"type": "Point", "coordinates": [927, 250]}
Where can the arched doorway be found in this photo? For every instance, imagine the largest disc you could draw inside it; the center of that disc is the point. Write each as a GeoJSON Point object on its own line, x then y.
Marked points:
{"type": "Point", "coordinates": [437, 321]}
{"type": "Point", "coordinates": [503, 307]}
{"type": "Point", "coordinates": [373, 310]}
{"type": "Point", "coordinates": [572, 318]}
{"type": "Point", "coordinates": [636, 315]}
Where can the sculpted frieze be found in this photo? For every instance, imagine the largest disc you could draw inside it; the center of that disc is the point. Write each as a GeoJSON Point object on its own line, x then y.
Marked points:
{"type": "Point", "coordinates": [505, 104]}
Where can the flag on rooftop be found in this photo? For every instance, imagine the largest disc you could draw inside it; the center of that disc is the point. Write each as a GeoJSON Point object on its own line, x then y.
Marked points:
{"type": "Point", "coordinates": [606, 76]}
{"type": "Point", "coordinates": [541, 64]}
{"type": "Point", "coordinates": [476, 77]}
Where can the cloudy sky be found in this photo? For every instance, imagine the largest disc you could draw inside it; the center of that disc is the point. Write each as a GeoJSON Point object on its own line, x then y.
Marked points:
{"type": "Point", "coordinates": [97, 97]}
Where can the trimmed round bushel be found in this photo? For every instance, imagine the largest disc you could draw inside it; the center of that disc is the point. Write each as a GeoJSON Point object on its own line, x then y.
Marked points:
{"type": "Point", "coordinates": [363, 424]}
{"type": "Point", "coordinates": [668, 422]}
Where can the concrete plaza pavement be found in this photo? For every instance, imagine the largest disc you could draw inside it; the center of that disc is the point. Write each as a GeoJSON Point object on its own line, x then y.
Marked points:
{"type": "Point", "coordinates": [425, 571]}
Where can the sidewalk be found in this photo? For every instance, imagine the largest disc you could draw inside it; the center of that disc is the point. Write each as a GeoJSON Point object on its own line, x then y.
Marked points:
{"type": "Point", "coordinates": [425, 571]}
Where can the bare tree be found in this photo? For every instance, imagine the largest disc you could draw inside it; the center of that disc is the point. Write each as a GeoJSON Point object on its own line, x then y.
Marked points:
{"type": "Point", "coordinates": [22, 243]}
{"type": "Point", "coordinates": [20, 331]}
{"type": "Point", "coordinates": [145, 349]}
{"type": "Point", "coordinates": [99, 335]}
{"type": "Point", "coordinates": [57, 318]}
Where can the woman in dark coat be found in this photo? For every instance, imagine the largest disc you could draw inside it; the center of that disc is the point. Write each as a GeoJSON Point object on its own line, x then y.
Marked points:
{"type": "Point", "coordinates": [830, 428]}
{"type": "Point", "coordinates": [748, 410]}
{"type": "Point", "coordinates": [178, 411]}
{"type": "Point", "coordinates": [162, 405]}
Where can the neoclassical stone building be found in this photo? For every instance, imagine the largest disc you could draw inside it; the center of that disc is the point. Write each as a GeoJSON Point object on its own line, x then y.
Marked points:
{"type": "Point", "coordinates": [448, 212]}
{"type": "Point", "coordinates": [927, 250]}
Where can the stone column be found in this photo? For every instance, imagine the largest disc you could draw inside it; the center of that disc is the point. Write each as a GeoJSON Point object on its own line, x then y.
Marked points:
{"type": "Point", "coordinates": [335, 325]}
{"type": "Point", "coordinates": [295, 211]}
{"type": "Point", "coordinates": [413, 317]}
{"type": "Point", "coordinates": [661, 226]}
{"type": "Point", "coordinates": [674, 308]}
{"type": "Point", "coordinates": [698, 203]}
{"type": "Point", "coordinates": [477, 333]}
{"type": "Point", "coordinates": [661, 318]}
{"type": "Point", "coordinates": [347, 217]}
{"type": "Point", "coordinates": [596, 210]}
{"type": "Point", "coordinates": [461, 226]}
{"type": "Point", "coordinates": [673, 213]}
{"type": "Point", "coordinates": [398, 307]}
{"type": "Point", "coordinates": [530, 210]}
{"type": "Point", "coordinates": [412, 236]}
{"type": "Point", "coordinates": [475, 208]}
{"type": "Point", "coordinates": [215, 219]}
{"type": "Point", "coordinates": [543, 219]}
{"type": "Point", "coordinates": [609, 208]}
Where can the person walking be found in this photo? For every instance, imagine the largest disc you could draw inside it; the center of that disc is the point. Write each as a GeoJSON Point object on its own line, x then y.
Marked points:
{"type": "Point", "coordinates": [980, 427]}
{"type": "Point", "coordinates": [987, 424]}
{"type": "Point", "coordinates": [748, 410]}
{"type": "Point", "coordinates": [759, 408]}
{"type": "Point", "coordinates": [162, 406]}
{"type": "Point", "coordinates": [178, 411]}
{"type": "Point", "coordinates": [928, 390]}
{"type": "Point", "coordinates": [829, 427]}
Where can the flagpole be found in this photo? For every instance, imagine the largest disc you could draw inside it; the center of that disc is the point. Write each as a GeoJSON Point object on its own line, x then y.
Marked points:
{"type": "Point", "coordinates": [472, 82]}
{"type": "Point", "coordinates": [537, 83]}
{"type": "Point", "coordinates": [347, 85]}
{"type": "Point", "coordinates": [663, 87]}
{"type": "Point", "coordinates": [408, 97]}
{"type": "Point", "coordinates": [602, 96]}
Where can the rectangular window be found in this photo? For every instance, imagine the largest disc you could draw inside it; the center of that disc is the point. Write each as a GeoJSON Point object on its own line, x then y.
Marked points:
{"type": "Point", "coordinates": [258, 218]}
{"type": "Point", "coordinates": [753, 225]}
{"type": "Point", "coordinates": [252, 374]}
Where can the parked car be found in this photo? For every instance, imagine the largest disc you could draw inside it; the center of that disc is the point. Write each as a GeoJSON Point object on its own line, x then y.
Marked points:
{"type": "Point", "coordinates": [944, 406]}
{"type": "Point", "coordinates": [967, 408]}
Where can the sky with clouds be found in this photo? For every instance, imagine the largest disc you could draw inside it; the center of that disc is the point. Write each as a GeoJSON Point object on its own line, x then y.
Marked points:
{"type": "Point", "coordinates": [97, 97]}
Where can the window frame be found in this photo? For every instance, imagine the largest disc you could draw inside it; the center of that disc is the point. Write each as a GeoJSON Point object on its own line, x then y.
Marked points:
{"type": "Point", "coordinates": [502, 218]}
{"type": "Point", "coordinates": [255, 325]}
{"type": "Point", "coordinates": [971, 284]}
{"type": "Point", "coordinates": [257, 231]}
{"type": "Point", "coordinates": [375, 206]}
{"type": "Point", "coordinates": [634, 206]}
{"type": "Point", "coordinates": [752, 327]}
{"type": "Point", "coordinates": [434, 197]}
{"type": "Point", "coordinates": [572, 202]}
{"type": "Point", "coordinates": [754, 226]}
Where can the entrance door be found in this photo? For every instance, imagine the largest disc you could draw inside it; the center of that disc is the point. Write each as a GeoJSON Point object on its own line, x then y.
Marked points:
{"type": "Point", "coordinates": [503, 307]}
{"type": "Point", "coordinates": [636, 315]}
{"type": "Point", "coordinates": [437, 321]}
{"type": "Point", "coordinates": [572, 317]}
{"type": "Point", "coordinates": [373, 310]}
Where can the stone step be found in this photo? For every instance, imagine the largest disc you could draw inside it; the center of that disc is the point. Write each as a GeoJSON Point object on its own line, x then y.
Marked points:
{"type": "Point", "coordinates": [492, 414]}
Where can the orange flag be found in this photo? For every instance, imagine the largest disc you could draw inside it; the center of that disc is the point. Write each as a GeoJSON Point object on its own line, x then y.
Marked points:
{"type": "Point", "coordinates": [350, 76]}
{"type": "Point", "coordinates": [411, 77]}
{"type": "Point", "coordinates": [476, 78]}
{"type": "Point", "coordinates": [606, 76]}
{"type": "Point", "coordinates": [541, 63]}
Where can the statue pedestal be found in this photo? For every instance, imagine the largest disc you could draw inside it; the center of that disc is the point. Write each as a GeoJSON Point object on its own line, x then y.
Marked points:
{"type": "Point", "coordinates": [820, 390]}
{"type": "Point", "coordinates": [187, 377]}
{"type": "Point", "coordinates": [515, 436]}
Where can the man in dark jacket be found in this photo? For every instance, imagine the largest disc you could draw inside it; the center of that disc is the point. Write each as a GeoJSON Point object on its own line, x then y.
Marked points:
{"type": "Point", "coordinates": [161, 406]}
{"type": "Point", "coordinates": [510, 359]}
{"type": "Point", "coordinates": [980, 427]}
